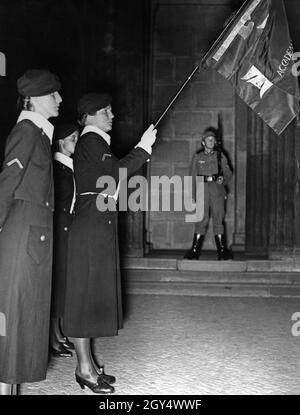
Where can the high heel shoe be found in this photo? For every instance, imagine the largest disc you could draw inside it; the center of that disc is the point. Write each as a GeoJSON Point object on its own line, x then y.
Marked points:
{"type": "Point", "coordinates": [107, 378]}
{"type": "Point", "coordinates": [67, 343]}
{"type": "Point", "coordinates": [60, 351]}
{"type": "Point", "coordinates": [97, 387]}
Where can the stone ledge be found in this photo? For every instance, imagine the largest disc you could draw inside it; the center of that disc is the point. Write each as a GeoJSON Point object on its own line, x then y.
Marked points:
{"type": "Point", "coordinates": [242, 278]}
{"type": "Point", "coordinates": [232, 266]}
{"type": "Point", "coordinates": [213, 290]}
{"type": "Point", "coordinates": [249, 266]}
{"type": "Point", "coordinates": [209, 278]}
{"type": "Point", "coordinates": [149, 263]}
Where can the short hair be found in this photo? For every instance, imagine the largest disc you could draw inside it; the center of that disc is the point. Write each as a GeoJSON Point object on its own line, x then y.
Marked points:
{"type": "Point", "coordinates": [24, 104]}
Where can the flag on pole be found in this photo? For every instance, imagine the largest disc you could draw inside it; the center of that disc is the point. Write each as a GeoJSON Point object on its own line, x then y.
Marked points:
{"type": "Point", "coordinates": [255, 53]}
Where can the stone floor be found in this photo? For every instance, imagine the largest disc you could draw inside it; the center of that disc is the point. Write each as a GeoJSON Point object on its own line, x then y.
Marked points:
{"type": "Point", "coordinates": [194, 345]}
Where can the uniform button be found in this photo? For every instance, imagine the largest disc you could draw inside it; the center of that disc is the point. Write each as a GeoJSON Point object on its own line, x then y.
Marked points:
{"type": "Point", "coordinates": [109, 221]}
{"type": "Point", "coordinates": [43, 238]}
{"type": "Point", "coordinates": [65, 229]}
{"type": "Point", "coordinates": [47, 203]}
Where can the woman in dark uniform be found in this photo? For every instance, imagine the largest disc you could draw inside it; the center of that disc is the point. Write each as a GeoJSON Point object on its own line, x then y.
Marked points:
{"type": "Point", "coordinates": [93, 295]}
{"type": "Point", "coordinates": [26, 210]}
{"type": "Point", "coordinates": [64, 142]}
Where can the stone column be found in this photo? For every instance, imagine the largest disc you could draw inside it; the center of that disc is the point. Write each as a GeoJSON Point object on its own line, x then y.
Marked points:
{"type": "Point", "coordinates": [297, 191]}
{"type": "Point", "coordinates": [240, 167]}
{"type": "Point", "coordinates": [283, 169]}
{"type": "Point", "coordinates": [271, 185]}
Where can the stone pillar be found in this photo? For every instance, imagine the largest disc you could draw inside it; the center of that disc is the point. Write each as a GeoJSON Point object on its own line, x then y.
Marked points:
{"type": "Point", "coordinates": [270, 192]}
{"type": "Point", "coordinates": [297, 191]}
{"type": "Point", "coordinates": [282, 237]}
{"type": "Point", "coordinates": [240, 167]}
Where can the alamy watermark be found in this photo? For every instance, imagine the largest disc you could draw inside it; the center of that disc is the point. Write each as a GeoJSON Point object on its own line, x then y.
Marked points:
{"type": "Point", "coordinates": [295, 330]}
{"type": "Point", "coordinates": [2, 324]}
{"type": "Point", "coordinates": [163, 193]}
{"type": "Point", "coordinates": [2, 64]}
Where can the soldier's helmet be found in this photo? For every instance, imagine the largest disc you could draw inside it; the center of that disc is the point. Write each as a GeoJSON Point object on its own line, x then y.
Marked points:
{"type": "Point", "coordinates": [209, 132]}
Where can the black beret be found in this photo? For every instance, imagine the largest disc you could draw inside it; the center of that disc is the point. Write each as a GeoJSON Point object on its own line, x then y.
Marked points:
{"type": "Point", "coordinates": [62, 131]}
{"type": "Point", "coordinates": [93, 102]}
{"type": "Point", "coordinates": [38, 82]}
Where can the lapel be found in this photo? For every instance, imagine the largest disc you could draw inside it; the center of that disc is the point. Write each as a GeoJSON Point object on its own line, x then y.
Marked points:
{"type": "Point", "coordinates": [45, 142]}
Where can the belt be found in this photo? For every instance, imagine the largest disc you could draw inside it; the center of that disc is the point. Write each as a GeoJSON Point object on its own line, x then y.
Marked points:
{"type": "Point", "coordinates": [212, 178]}
{"type": "Point", "coordinates": [89, 193]}
{"type": "Point", "coordinates": [95, 193]}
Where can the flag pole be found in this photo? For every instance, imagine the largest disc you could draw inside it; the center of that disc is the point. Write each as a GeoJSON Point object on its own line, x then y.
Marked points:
{"type": "Point", "coordinates": [226, 25]}
{"type": "Point", "coordinates": [177, 95]}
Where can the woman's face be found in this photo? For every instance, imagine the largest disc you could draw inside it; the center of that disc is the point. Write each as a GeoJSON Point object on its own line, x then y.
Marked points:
{"type": "Point", "coordinates": [47, 105]}
{"type": "Point", "coordinates": [103, 119]}
{"type": "Point", "coordinates": [69, 143]}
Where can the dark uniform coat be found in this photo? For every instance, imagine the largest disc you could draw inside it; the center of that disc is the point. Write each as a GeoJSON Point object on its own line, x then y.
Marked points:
{"type": "Point", "coordinates": [204, 164]}
{"type": "Point", "coordinates": [26, 208]}
{"type": "Point", "coordinates": [93, 296]}
{"type": "Point", "coordinates": [63, 191]}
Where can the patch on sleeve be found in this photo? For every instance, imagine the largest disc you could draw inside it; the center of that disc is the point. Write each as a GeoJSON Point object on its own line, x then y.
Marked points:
{"type": "Point", "coordinates": [2, 324]}
{"type": "Point", "coordinates": [10, 163]}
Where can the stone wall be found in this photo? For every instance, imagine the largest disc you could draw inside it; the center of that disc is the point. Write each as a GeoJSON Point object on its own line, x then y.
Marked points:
{"type": "Point", "coordinates": [92, 45]}
{"type": "Point", "coordinates": [183, 32]}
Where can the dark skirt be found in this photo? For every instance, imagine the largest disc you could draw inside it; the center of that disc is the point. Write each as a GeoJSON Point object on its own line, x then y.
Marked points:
{"type": "Point", "coordinates": [25, 291]}
{"type": "Point", "coordinates": [62, 223]}
{"type": "Point", "coordinates": [93, 305]}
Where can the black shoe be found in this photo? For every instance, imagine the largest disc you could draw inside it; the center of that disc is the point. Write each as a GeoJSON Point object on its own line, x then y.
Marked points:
{"type": "Point", "coordinates": [67, 344]}
{"type": "Point", "coordinates": [194, 252]}
{"type": "Point", "coordinates": [97, 387]}
{"type": "Point", "coordinates": [107, 378]}
{"type": "Point", "coordinates": [60, 351]}
{"type": "Point", "coordinates": [223, 253]}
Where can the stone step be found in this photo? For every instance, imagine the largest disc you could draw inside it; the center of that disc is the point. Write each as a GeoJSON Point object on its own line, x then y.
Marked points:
{"type": "Point", "coordinates": [173, 276]}
{"type": "Point", "coordinates": [210, 279]}
{"type": "Point", "coordinates": [149, 263]}
{"type": "Point", "coordinates": [288, 265]}
{"type": "Point", "coordinates": [212, 290]}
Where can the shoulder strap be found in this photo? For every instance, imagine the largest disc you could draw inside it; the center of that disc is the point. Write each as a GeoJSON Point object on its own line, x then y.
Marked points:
{"type": "Point", "coordinates": [219, 158]}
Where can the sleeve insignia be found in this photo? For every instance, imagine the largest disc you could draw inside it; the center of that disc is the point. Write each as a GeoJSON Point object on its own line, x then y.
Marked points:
{"type": "Point", "coordinates": [10, 163]}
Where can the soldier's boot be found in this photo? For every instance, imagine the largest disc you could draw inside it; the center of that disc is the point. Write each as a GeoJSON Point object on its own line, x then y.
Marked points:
{"type": "Point", "coordinates": [223, 252]}
{"type": "Point", "coordinates": [194, 252]}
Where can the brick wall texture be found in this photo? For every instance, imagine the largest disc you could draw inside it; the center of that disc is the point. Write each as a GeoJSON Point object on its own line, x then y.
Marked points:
{"type": "Point", "coordinates": [182, 34]}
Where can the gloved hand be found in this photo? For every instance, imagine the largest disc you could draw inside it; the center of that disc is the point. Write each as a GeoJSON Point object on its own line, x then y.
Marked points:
{"type": "Point", "coordinates": [148, 139]}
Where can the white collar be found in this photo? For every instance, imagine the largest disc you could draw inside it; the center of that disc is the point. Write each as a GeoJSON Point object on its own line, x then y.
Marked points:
{"type": "Point", "coordinates": [39, 121]}
{"type": "Point", "coordinates": [93, 129]}
{"type": "Point", "coordinates": [65, 160]}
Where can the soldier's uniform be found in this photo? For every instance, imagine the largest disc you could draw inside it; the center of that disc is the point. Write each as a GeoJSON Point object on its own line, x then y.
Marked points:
{"type": "Point", "coordinates": [213, 167]}
{"type": "Point", "coordinates": [206, 165]}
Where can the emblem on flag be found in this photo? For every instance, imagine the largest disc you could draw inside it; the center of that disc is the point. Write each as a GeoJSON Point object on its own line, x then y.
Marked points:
{"type": "Point", "coordinates": [258, 79]}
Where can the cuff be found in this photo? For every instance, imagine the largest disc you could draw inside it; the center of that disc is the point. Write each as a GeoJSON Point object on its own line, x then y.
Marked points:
{"type": "Point", "coordinates": [145, 147]}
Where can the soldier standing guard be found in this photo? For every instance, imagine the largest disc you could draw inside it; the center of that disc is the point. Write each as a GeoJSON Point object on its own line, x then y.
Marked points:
{"type": "Point", "coordinates": [213, 166]}
{"type": "Point", "coordinates": [26, 210]}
